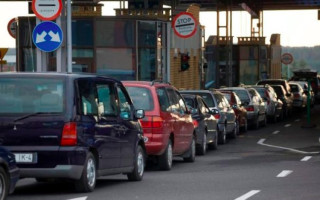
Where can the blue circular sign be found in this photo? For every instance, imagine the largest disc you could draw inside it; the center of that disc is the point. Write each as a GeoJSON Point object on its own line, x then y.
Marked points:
{"type": "Point", "coordinates": [47, 36]}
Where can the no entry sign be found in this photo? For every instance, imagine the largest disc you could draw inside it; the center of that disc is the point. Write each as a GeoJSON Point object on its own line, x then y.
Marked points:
{"type": "Point", "coordinates": [47, 9]}
{"type": "Point", "coordinates": [12, 27]}
{"type": "Point", "coordinates": [184, 25]}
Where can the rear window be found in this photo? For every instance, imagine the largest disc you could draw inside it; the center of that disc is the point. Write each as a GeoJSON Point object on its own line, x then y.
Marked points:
{"type": "Point", "coordinates": [279, 91]}
{"type": "Point", "coordinates": [294, 88]}
{"type": "Point", "coordinates": [207, 99]}
{"type": "Point", "coordinates": [243, 95]}
{"type": "Point", "coordinates": [31, 95]}
{"type": "Point", "coordinates": [228, 96]}
{"type": "Point", "coordinates": [261, 91]}
{"type": "Point", "coordinates": [190, 102]}
{"type": "Point", "coordinates": [141, 97]}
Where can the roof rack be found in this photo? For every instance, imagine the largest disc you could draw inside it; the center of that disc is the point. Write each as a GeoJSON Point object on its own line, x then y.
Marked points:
{"type": "Point", "coordinates": [159, 81]}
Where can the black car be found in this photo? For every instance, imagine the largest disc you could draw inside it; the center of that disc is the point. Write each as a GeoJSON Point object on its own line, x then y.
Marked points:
{"type": "Point", "coordinates": [70, 126]}
{"type": "Point", "coordinates": [204, 121]}
{"type": "Point", "coordinates": [287, 101]}
{"type": "Point", "coordinates": [9, 173]}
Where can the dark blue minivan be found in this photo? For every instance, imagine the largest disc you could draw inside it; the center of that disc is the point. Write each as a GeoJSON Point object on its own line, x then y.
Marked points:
{"type": "Point", "coordinates": [74, 126]}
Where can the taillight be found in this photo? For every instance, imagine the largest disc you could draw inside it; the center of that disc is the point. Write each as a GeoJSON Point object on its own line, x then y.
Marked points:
{"type": "Point", "coordinates": [217, 116]}
{"type": "Point", "coordinates": [151, 122]}
{"type": "Point", "coordinates": [250, 108]}
{"type": "Point", "coordinates": [195, 123]}
{"type": "Point", "coordinates": [296, 95]}
{"type": "Point", "coordinates": [69, 134]}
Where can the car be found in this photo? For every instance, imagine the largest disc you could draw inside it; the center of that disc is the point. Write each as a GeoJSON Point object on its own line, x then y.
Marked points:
{"type": "Point", "coordinates": [205, 123]}
{"type": "Point", "coordinates": [250, 99]}
{"type": "Point", "coordinates": [304, 85]}
{"type": "Point", "coordinates": [308, 75]}
{"type": "Point", "coordinates": [70, 126]}
{"type": "Point", "coordinates": [9, 173]}
{"type": "Point", "coordinates": [167, 126]}
{"type": "Point", "coordinates": [287, 102]}
{"type": "Point", "coordinates": [219, 105]}
{"type": "Point", "coordinates": [300, 97]}
{"type": "Point", "coordinates": [238, 108]}
{"type": "Point", "coordinates": [269, 96]}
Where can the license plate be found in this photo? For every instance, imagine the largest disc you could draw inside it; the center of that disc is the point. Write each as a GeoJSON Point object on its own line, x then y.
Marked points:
{"type": "Point", "coordinates": [24, 157]}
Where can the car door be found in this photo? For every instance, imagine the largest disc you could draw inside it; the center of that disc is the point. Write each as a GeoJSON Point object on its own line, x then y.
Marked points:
{"type": "Point", "coordinates": [209, 120]}
{"type": "Point", "coordinates": [106, 137]}
{"type": "Point", "coordinates": [128, 131]}
{"type": "Point", "coordinates": [231, 116]}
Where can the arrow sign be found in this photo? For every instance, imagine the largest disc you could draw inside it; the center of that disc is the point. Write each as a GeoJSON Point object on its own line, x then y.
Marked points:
{"type": "Point", "coordinates": [47, 9]}
{"type": "Point", "coordinates": [47, 36]}
{"type": "Point", "coordinates": [80, 198]}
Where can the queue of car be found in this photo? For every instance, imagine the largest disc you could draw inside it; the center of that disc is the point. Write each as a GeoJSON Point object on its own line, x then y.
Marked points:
{"type": "Point", "coordinates": [79, 126]}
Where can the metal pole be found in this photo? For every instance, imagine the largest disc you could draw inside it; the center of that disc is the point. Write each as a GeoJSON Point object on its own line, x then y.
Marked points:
{"type": "Point", "coordinates": [69, 37]}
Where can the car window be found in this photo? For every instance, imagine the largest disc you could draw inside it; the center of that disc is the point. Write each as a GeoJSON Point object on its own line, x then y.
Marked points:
{"type": "Point", "coordinates": [219, 100]}
{"type": "Point", "coordinates": [207, 109]}
{"type": "Point", "coordinates": [225, 101]}
{"type": "Point", "coordinates": [294, 88]}
{"type": "Point", "coordinates": [30, 95]}
{"type": "Point", "coordinates": [141, 98]}
{"type": "Point", "coordinates": [262, 92]}
{"type": "Point", "coordinates": [278, 91]}
{"type": "Point", "coordinates": [183, 107]}
{"type": "Point", "coordinates": [208, 99]}
{"type": "Point", "coordinates": [163, 99]}
{"type": "Point", "coordinates": [228, 96]}
{"type": "Point", "coordinates": [202, 107]}
{"type": "Point", "coordinates": [106, 98]}
{"type": "Point", "coordinates": [124, 103]}
{"type": "Point", "coordinates": [88, 95]}
{"type": "Point", "coordinates": [190, 102]}
{"type": "Point", "coordinates": [174, 100]}
{"type": "Point", "coordinates": [243, 95]}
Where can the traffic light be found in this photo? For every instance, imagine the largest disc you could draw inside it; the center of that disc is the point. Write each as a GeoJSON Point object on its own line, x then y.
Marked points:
{"type": "Point", "coordinates": [185, 61]}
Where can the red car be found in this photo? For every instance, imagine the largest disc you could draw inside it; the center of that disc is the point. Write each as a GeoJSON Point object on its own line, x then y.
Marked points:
{"type": "Point", "coordinates": [239, 110]}
{"type": "Point", "coordinates": [168, 126]}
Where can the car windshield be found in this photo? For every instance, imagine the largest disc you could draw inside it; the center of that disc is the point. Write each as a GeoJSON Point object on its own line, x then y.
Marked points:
{"type": "Point", "coordinates": [261, 91]}
{"type": "Point", "coordinates": [31, 95]}
{"type": "Point", "coordinates": [243, 95]}
{"type": "Point", "coordinates": [294, 88]}
{"type": "Point", "coordinates": [141, 98]}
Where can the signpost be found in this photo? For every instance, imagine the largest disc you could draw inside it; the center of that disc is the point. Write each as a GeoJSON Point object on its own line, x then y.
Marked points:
{"type": "Point", "coordinates": [12, 27]}
{"type": "Point", "coordinates": [47, 36]}
{"type": "Point", "coordinates": [287, 59]}
{"type": "Point", "coordinates": [184, 25]}
{"type": "Point", "coordinates": [3, 52]}
{"type": "Point", "coordinates": [47, 9]}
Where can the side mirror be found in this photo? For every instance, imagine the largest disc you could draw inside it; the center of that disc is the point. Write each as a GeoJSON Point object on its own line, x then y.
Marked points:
{"type": "Point", "coordinates": [214, 111]}
{"type": "Point", "coordinates": [139, 114]}
{"type": "Point", "coordinates": [234, 106]}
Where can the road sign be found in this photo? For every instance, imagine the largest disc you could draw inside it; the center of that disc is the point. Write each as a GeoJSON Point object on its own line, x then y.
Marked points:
{"type": "Point", "coordinates": [12, 27]}
{"type": "Point", "coordinates": [3, 52]}
{"type": "Point", "coordinates": [184, 25]}
{"type": "Point", "coordinates": [47, 9]}
{"type": "Point", "coordinates": [47, 36]}
{"type": "Point", "coordinates": [286, 58]}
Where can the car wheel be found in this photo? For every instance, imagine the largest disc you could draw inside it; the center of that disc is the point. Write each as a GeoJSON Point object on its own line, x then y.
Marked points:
{"type": "Point", "coordinates": [202, 150]}
{"type": "Point", "coordinates": [214, 145]}
{"type": "Point", "coordinates": [138, 170]}
{"type": "Point", "coordinates": [88, 178]}
{"type": "Point", "coordinates": [165, 160]}
{"type": "Point", "coordinates": [4, 184]}
{"type": "Point", "coordinates": [256, 124]}
{"type": "Point", "coordinates": [191, 152]}
{"type": "Point", "coordinates": [234, 132]}
{"type": "Point", "coordinates": [222, 137]}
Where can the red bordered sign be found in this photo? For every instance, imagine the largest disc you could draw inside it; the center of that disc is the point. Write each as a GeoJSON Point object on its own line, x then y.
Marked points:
{"type": "Point", "coordinates": [12, 27]}
{"type": "Point", "coordinates": [287, 58]}
{"type": "Point", "coordinates": [184, 25]}
{"type": "Point", "coordinates": [47, 9]}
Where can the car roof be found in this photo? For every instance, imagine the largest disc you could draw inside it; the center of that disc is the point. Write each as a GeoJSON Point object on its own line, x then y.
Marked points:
{"type": "Point", "coordinates": [55, 74]}
{"type": "Point", "coordinates": [146, 83]}
{"type": "Point", "coordinates": [233, 88]}
{"type": "Point", "coordinates": [195, 91]}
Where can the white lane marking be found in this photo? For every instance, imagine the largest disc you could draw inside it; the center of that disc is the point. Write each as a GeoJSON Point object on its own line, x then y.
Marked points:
{"type": "Point", "coordinates": [248, 195]}
{"type": "Point", "coordinates": [261, 142]}
{"type": "Point", "coordinates": [287, 125]}
{"type": "Point", "coordinates": [275, 132]}
{"type": "Point", "coordinates": [306, 158]}
{"type": "Point", "coordinates": [79, 198]}
{"type": "Point", "coordinates": [284, 173]}
{"type": "Point", "coordinates": [297, 120]}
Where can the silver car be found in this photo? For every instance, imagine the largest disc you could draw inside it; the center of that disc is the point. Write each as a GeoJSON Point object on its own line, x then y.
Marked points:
{"type": "Point", "coordinates": [304, 85]}
{"type": "Point", "coordinates": [299, 96]}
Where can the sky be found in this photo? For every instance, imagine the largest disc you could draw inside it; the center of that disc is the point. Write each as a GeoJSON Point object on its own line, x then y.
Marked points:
{"type": "Point", "coordinates": [297, 28]}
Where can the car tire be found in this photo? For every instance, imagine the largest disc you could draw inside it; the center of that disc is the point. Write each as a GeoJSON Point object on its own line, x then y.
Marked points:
{"type": "Point", "coordinates": [234, 132]}
{"type": "Point", "coordinates": [4, 184]}
{"type": "Point", "coordinates": [191, 155]}
{"type": "Point", "coordinates": [88, 179]}
{"type": "Point", "coordinates": [202, 149]}
{"type": "Point", "coordinates": [165, 160]}
{"type": "Point", "coordinates": [214, 145]}
{"type": "Point", "coordinates": [139, 164]}
{"type": "Point", "coordinates": [222, 136]}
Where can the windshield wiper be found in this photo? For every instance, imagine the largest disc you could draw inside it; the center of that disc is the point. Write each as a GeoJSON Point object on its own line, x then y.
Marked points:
{"type": "Point", "coordinates": [30, 115]}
